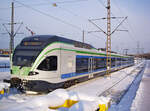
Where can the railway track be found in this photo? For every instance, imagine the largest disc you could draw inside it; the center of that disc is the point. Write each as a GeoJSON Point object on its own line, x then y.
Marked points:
{"type": "Point", "coordinates": [116, 96]}
{"type": "Point", "coordinates": [112, 89]}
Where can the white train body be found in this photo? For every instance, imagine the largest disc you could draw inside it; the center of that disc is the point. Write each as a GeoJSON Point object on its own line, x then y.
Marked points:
{"type": "Point", "coordinates": [58, 62]}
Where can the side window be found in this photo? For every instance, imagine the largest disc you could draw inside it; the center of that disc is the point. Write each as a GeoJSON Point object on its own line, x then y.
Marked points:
{"type": "Point", "coordinates": [113, 62]}
{"type": "Point", "coordinates": [81, 65]}
{"type": "Point", "coordinates": [48, 64]}
{"type": "Point", "coordinates": [100, 63]}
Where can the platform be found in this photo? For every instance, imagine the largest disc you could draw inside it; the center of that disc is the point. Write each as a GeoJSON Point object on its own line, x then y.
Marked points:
{"type": "Point", "coordinates": [142, 99]}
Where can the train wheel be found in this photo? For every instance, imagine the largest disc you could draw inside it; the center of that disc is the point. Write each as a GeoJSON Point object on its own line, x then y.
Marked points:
{"type": "Point", "coordinates": [70, 83]}
{"type": "Point", "coordinates": [74, 82]}
{"type": "Point", "coordinates": [67, 84]}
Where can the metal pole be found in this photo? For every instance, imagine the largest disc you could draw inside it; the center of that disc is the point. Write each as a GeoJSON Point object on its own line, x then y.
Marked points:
{"type": "Point", "coordinates": [108, 46]}
{"type": "Point", "coordinates": [83, 36]}
{"type": "Point", "coordinates": [126, 51]}
{"type": "Point", "coordinates": [12, 30]}
{"type": "Point", "coordinates": [11, 35]}
{"type": "Point", "coordinates": [138, 47]}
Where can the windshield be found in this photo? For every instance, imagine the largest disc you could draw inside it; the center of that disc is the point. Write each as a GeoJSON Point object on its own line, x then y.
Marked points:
{"type": "Point", "coordinates": [25, 57]}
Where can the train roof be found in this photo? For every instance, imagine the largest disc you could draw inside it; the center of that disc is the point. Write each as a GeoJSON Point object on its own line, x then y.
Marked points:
{"type": "Point", "coordinates": [47, 39]}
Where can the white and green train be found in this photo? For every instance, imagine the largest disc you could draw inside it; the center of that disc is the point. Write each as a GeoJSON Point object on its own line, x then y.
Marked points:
{"type": "Point", "coordinates": [46, 62]}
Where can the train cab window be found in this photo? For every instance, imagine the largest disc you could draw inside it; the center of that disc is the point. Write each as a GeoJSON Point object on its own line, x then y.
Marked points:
{"type": "Point", "coordinates": [48, 64]}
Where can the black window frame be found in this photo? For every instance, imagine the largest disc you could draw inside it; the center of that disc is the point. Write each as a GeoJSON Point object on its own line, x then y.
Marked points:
{"type": "Point", "coordinates": [48, 65]}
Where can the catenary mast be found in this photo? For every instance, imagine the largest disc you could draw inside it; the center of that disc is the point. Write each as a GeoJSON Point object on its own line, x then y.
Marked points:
{"type": "Point", "coordinates": [108, 43]}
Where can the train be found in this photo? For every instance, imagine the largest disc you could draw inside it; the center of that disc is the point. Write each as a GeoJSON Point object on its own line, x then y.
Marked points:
{"type": "Point", "coordinates": [43, 63]}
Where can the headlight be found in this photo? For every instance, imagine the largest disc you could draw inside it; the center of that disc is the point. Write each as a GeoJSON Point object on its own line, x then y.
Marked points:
{"type": "Point", "coordinates": [33, 73]}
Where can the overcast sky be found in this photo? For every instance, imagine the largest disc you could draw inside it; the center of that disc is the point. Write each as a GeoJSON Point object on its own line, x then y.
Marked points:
{"type": "Point", "coordinates": [70, 17]}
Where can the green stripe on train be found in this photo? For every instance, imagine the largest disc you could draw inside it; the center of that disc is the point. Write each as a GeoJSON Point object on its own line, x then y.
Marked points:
{"type": "Point", "coordinates": [23, 71]}
{"type": "Point", "coordinates": [26, 70]}
{"type": "Point", "coordinates": [77, 51]}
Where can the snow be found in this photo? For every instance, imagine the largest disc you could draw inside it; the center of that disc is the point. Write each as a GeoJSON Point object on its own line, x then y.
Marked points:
{"type": "Point", "coordinates": [4, 86]}
{"type": "Point", "coordinates": [127, 99]}
{"type": "Point", "coordinates": [62, 93]}
{"type": "Point", "coordinates": [84, 106]}
{"type": "Point", "coordinates": [38, 103]}
{"type": "Point", "coordinates": [141, 101]}
{"type": "Point", "coordinates": [53, 99]}
{"type": "Point", "coordinates": [81, 96]}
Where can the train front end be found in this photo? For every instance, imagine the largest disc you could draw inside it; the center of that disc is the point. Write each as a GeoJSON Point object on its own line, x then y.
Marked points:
{"type": "Point", "coordinates": [23, 59]}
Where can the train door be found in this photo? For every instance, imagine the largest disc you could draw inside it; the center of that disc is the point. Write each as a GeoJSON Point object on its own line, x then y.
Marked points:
{"type": "Point", "coordinates": [91, 67]}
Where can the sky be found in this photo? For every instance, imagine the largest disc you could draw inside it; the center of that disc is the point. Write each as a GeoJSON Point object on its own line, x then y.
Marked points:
{"type": "Point", "coordinates": [70, 17]}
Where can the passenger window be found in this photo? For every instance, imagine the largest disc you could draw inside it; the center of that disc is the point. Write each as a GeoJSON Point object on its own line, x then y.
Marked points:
{"type": "Point", "coordinates": [48, 64]}
{"type": "Point", "coordinates": [81, 65]}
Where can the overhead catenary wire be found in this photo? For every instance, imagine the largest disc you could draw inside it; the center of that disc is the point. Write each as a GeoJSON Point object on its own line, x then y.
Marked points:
{"type": "Point", "coordinates": [112, 17]}
{"type": "Point", "coordinates": [70, 1]}
{"type": "Point", "coordinates": [119, 10]}
{"type": "Point", "coordinates": [129, 32]}
{"type": "Point", "coordinates": [74, 14]}
{"type": "Point", "coordinates": [41, 4]}
{"type": "Point", "coordinates": [38, 4]}
{"type": "Point", "coordinates": [53, 17]}
{"type": "Point", "coordinates": [67, 10]}
{"type": "Point", "coordinates": [3, 20]}
{"type": "Point", "coordinates": [102, 3]}
{"type": "Point", "coordinates": [108, 18]}
{"type": "Point", "coordinates": [48, 15]}
{"type": "Point", "coordinates": [128, 23]}
{"type": "Point", "coordinates": [117, 6]}
{"type": "Point", "coordinates": [27, 6]}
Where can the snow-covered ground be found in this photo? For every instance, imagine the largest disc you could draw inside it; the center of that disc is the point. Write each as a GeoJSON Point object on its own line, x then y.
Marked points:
{"type": "Point", "coordinates": [112, 86]}
{"type": "Point", "coordinates": [142, 98]}
{"type": "Point", "coordinates": [56, 98]}
{"type": "Point", "coordinates": [127, 99]}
